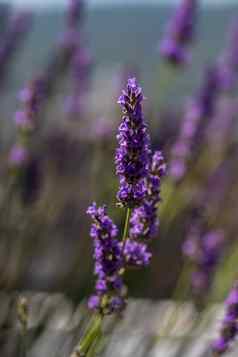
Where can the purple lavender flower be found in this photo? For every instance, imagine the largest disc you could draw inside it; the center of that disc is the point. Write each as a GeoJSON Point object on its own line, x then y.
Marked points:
{"type": "Point", "coordinates": [81, 67]}
{"type": "Point", "coordinates": [144, 221]}
{"type": "Point", "coordinates": [18, 156]}
{"type": "Point", "coordinates": [31, 97]}
{"type": "Point", "coordinates": [173, 52]}
{"type": "Point", "coordinates": [70, 38]}
{"type": "Point", "coordinates": [132, 156]}
{"type": "Point", "coordinates": [229, 327]}
{"type": "Point", "coordinates": [75, 12]}
{"type": "Point", "coordinates": [136, 254]}
{"type": "Point", "coordinates": [194, 124]}
{"type": "Point", "coordinates": [204, 251]}
{"type": "Point", "coordinates": [207, 95]}
{"type": "Point", "coordinates": [108, 262]}
{"type": "Point", "coordinates": [22, 121]}
{"type": "Point", "coordinates": [180, 33]}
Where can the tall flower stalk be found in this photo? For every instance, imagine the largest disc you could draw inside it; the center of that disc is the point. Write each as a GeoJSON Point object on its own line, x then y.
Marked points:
{"type": "Point", "coordinates": [140, 174]}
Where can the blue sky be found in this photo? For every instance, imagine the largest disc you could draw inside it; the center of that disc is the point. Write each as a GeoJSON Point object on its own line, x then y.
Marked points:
{"type": "Point", "coordinates": [46, 3]}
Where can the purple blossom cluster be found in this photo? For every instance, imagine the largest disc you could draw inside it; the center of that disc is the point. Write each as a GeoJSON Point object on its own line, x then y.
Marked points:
{"type": "Point", "coordinates": [229, 327]}
{"type": "Point", "coordinates": [18, 156]}
{"type": "Point", "coordinates": [133, 154]}
{"type": "Point", "coordinates": [25, 121]}
{"type": "Point", "coordinates": [144, 220]}
{"type": "Point", "coordinates": [108, 257]}
{"type": "Point", "coordinates": [180, 33]}
{"type": "Point", "coordinates": [136, 254]}
{"type": "Point", "coordinates": [113, 257]}
{"type": "Point", "coordinates": [75, 12]}
{"type": "Point", "coordinates": [204, 251]}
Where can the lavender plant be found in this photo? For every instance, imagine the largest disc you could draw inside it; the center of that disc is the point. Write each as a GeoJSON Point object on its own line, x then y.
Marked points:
{"type": "Point", "coordinates": [140, 175]}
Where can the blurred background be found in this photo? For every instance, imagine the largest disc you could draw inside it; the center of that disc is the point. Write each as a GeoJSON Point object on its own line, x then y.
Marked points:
{"type": "Point", "coordinates": [83, 65]}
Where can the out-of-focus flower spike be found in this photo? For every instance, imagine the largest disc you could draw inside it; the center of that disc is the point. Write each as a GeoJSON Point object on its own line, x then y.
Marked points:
{"type": "Point", "coordinates": [180, 33]}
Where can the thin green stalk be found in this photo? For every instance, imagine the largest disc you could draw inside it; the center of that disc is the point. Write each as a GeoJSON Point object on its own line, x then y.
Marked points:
{"type": "Point", "coordinates": [90, 336]}
{"type": "Point", "coordinates": [93, 349]}
{"type": "Point", "coordinates": [126, 226]}
{"type": "Point", "coordinates": [90, 340]}
{"type": "Point", "coordinates": [23, 314]}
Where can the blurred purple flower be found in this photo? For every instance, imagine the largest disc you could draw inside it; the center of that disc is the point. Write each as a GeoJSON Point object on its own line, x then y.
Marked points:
{"type": "Point", "coordinates": [180, 33]}
{"type": "Point", "coordinates": [208, 93]}
{"type": "Point", "coordinates": [205, 251]}
{"type": "Point", "coordinates": [81, 69]}
{"type": "Point", "coordinates": [229, 327]}
{"type": "Point", "coordinates": [18, 156]}
{"type": "Point", "coordinates": [75, 12]}
{"type": "Point", "coordinates": [193, 127]}
{"type": "Point", "coordinates": [181, 150]}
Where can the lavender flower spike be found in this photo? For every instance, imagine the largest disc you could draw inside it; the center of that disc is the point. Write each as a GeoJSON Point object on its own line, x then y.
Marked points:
{"type": "Point", "coordinates": [133, 153]}
{"type": "Point", "coordinates": [229, 328]}
{"type": "Point", "coordinates": [179, 33]}
{"type": "Point", "coordinates": [109, 261]}
{"type": "Point", "coordinates": [75, 12]}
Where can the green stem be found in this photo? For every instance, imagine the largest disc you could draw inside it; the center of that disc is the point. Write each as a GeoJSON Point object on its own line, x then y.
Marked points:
{"type": "Point", "coordinates": [93, 349]}
{"type": "Point", "coordinates": [126, 226]}
{"type": "Point", "coordinates": [91, 335]}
